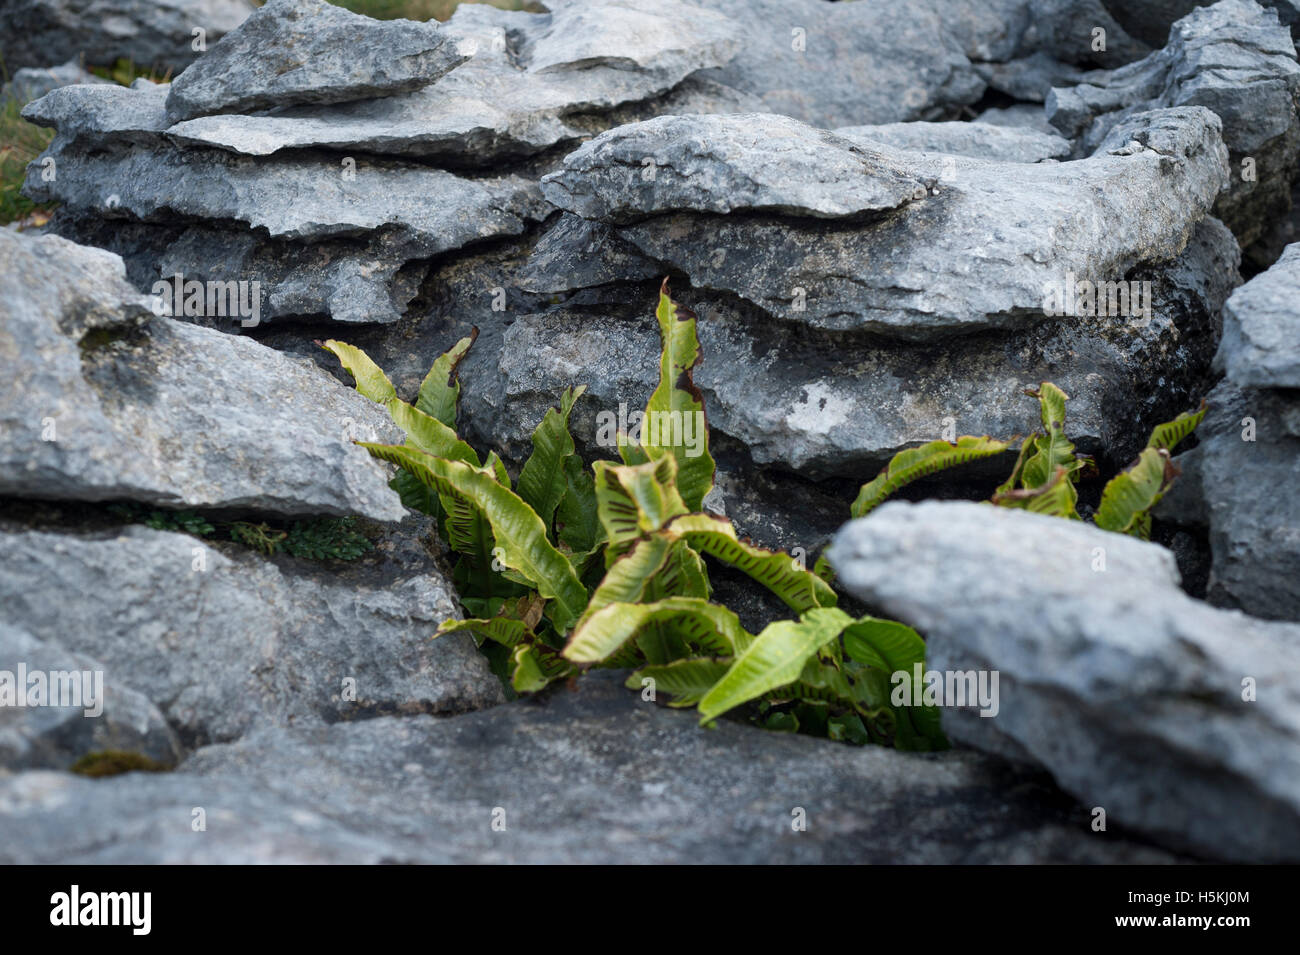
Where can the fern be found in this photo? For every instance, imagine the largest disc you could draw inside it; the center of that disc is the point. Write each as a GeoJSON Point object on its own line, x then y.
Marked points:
{"type": "Point", "coordinates": [572, 568]}
{"type": "Point", "coordinates": [915, 463]}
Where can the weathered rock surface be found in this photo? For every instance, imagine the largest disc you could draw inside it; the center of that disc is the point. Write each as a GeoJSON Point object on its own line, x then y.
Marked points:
{"type": "Point", "coordinates": [529, 77]}
{"type": "Point", "coordinates": [343, 280]}
{"type": "Point", "coordinates": [845, 64]}
{"type": "Point", "coordinates": [832, 404]}
{"type": "Point", "coordinates": [425, 211]}
{"type": "Point", "coordinates": [979, 252]}
{"type": "Point", "coordinates": [1249, 452]}
{"type": "Point", "coordinates": [222, 639]}
{"type": "Point", "coordinates": [291, 52]}
{"type": "Point", "coordinates": [1248, 455]}
{"type": "Point", "coordinates": [108, 401]}
{"type": "Point", "coordinates": [1132, 694]}
{"type": "Point", "coordinates": [149, 33]}
{"type": "Point", "coordinates": [1234, 58]}
{"type": "Point", "coordinates": [103, 712]}
{"type": "Point", "coordinates": [594, 775]}
{"type": "Point", "coordinates": [728, 163]}
{"type": "Point", "coordinates": [1029, 78]}
{"type": "Point", "coordinates": [1150, 20]}
{"type": "Point", "coordinates": [975, 139]}
{"type": "Point", "coordinates": [1261, 328]}
{"type": "Point", "coordinates": [30, 83]}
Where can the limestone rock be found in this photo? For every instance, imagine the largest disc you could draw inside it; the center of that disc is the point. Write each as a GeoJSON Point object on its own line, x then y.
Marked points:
{"type": "Point", "coordinates": [291, 52]}
{"type": "Point", "coordinates": [1127, 690]}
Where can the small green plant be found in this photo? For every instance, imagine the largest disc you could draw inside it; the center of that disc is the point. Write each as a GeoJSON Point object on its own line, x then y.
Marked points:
{"type": "Point", "coordinates": [115, 762]}
{"type": "Point", "coordinates": [124, 72]}
{"type": "Point", "coordinates": [1047, 470]}
{"type": "Point", "coordinates": [325, 538]}
{"type": "Point", "coordinates": [20, 143]}
{"type": "Point", "coordinates": [424, 9]}
{"type": "Point", "coordinates": [569, 568]}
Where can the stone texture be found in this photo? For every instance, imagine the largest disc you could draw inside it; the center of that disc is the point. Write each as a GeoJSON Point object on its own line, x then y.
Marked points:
{"type": "Point", "coordinates": [1247, 458]}
{"type": "Point", "coordinates": [1261, 328]}
{"type": "Point", "coordinates": [845, 64]}
{"type": "Point", "coordinates": [424, 211]}
{"type": "Point", "coordinates": [529, 77]}
{"type": "Point", "coordinates": [593, 776]}
{"type": "Point", "coordinates": [291, 52]}
{"type": "Point", "coordinates": [975, 139]}
{"type": "Point", "coordinates": [1234, 58]}
{"type": "Point", "coordinates": [109, 401]}
{"type": "Point", "coordinates": [977, 253]}
{"type": "Point", "coordinates": [1150, 20]}
{"type": "Point", "coordinates": [1127, 690]}
{"type": "Point", "coordinates": [29, 83]}
{"type": "Point", "coordinates": [1030, 78]}
{"type": "Point", "coordinates": [222, 639]}
{"type": "Point", "coordinates": [149, 33]}
{"type": "Point", "coordinates": [54, 737]}
{"type": "Point", "coordinates": [344, 280]}
{"type": "Point", "coordinates": [831, 404]}
{"type": "Point", "coordinates": [727, 163]}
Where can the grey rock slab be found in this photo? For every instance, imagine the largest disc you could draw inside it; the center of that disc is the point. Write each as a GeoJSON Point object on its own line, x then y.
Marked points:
{"type": "Point", "coordinates": [1018, 116]}
{"type": "Point", "coordinates": [350, 281]}
{"type": "Point", "coordinates": [1150, 20]}
{"type": "Point", "coordinates": [149, 33]}
{"type": "Point", "coordinates": [726, 163]}
{"type": "Point", "coordinates": [975, 139]}
{"type": "Point", "coordinates": [1127, 690]}
{"type": "Point", "coordinates": [846, 64]}
{"type": "Point", "coordinates": [31, 83]}
{"type": "Point", "coordinates": [1241, 473]}
{"type": "Point", "coordinates": [109, 401]}
{"type": "Point", "coordinates": [527, 75]}
{"type": "Point", "coordinates": [834, 404]}
{"type": "Point", "coordinates": [1234, 58]}
{"type": "Point", "coordinates": [1029, 78]}
{"type": "Point", "coordinates": [291, 52]}
{"type": "Point", "coordinates": [103, 113]}
{"type": "Point", "coordinates": [82, 707]}
{"type": "Point", "coordinates": [1261, 328]}
{"type": "Point", "coordinates": [423, 210]}
{"type": "Point", "coordinates": [585, 776]}
{"type": "Point", "coordinates": [223, 639]}
{"type": "Point", "coordinates": [136, 817]}
{"type": "Point", "coordinates": [982, 250]}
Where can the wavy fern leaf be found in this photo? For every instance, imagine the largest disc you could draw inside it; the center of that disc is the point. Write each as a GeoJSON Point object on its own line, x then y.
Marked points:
{"type": "Point", "coordinates": [1167, 436]}
{"type": "Point", "coordinates": [775, 658]}
{"type": "Point", "coordinates": [1057, 498]}
{"type": "Point", "coordinates": [708, 627]}
{"type": "Point", "coordinates": [1128, 498]}
{"type": "Point", "coordinates": [504, 630]}
{"type": "Point", "coordinates": [914, 463]}
{"type": "Point", "coordinates": [520, 536]}
{"type": "Point", "coordinates": [534, 666]}
{"type": "Point", "coordinates": [686, 681]}
{"type": "Point", "coordinates": [369, 377]}
{"type": "Point", "coordinates": [674, 422]}
{"type": "Point", "coordinates": [440, 390]}
{"type": "Point", "coordinates": [542, 481]}
{"type": "Point", "coordinates": [633, 500]}
{"type": "Point", "coordinates": [800, 589]}
{"type": "Point", "coordinates": [1053, 450]}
